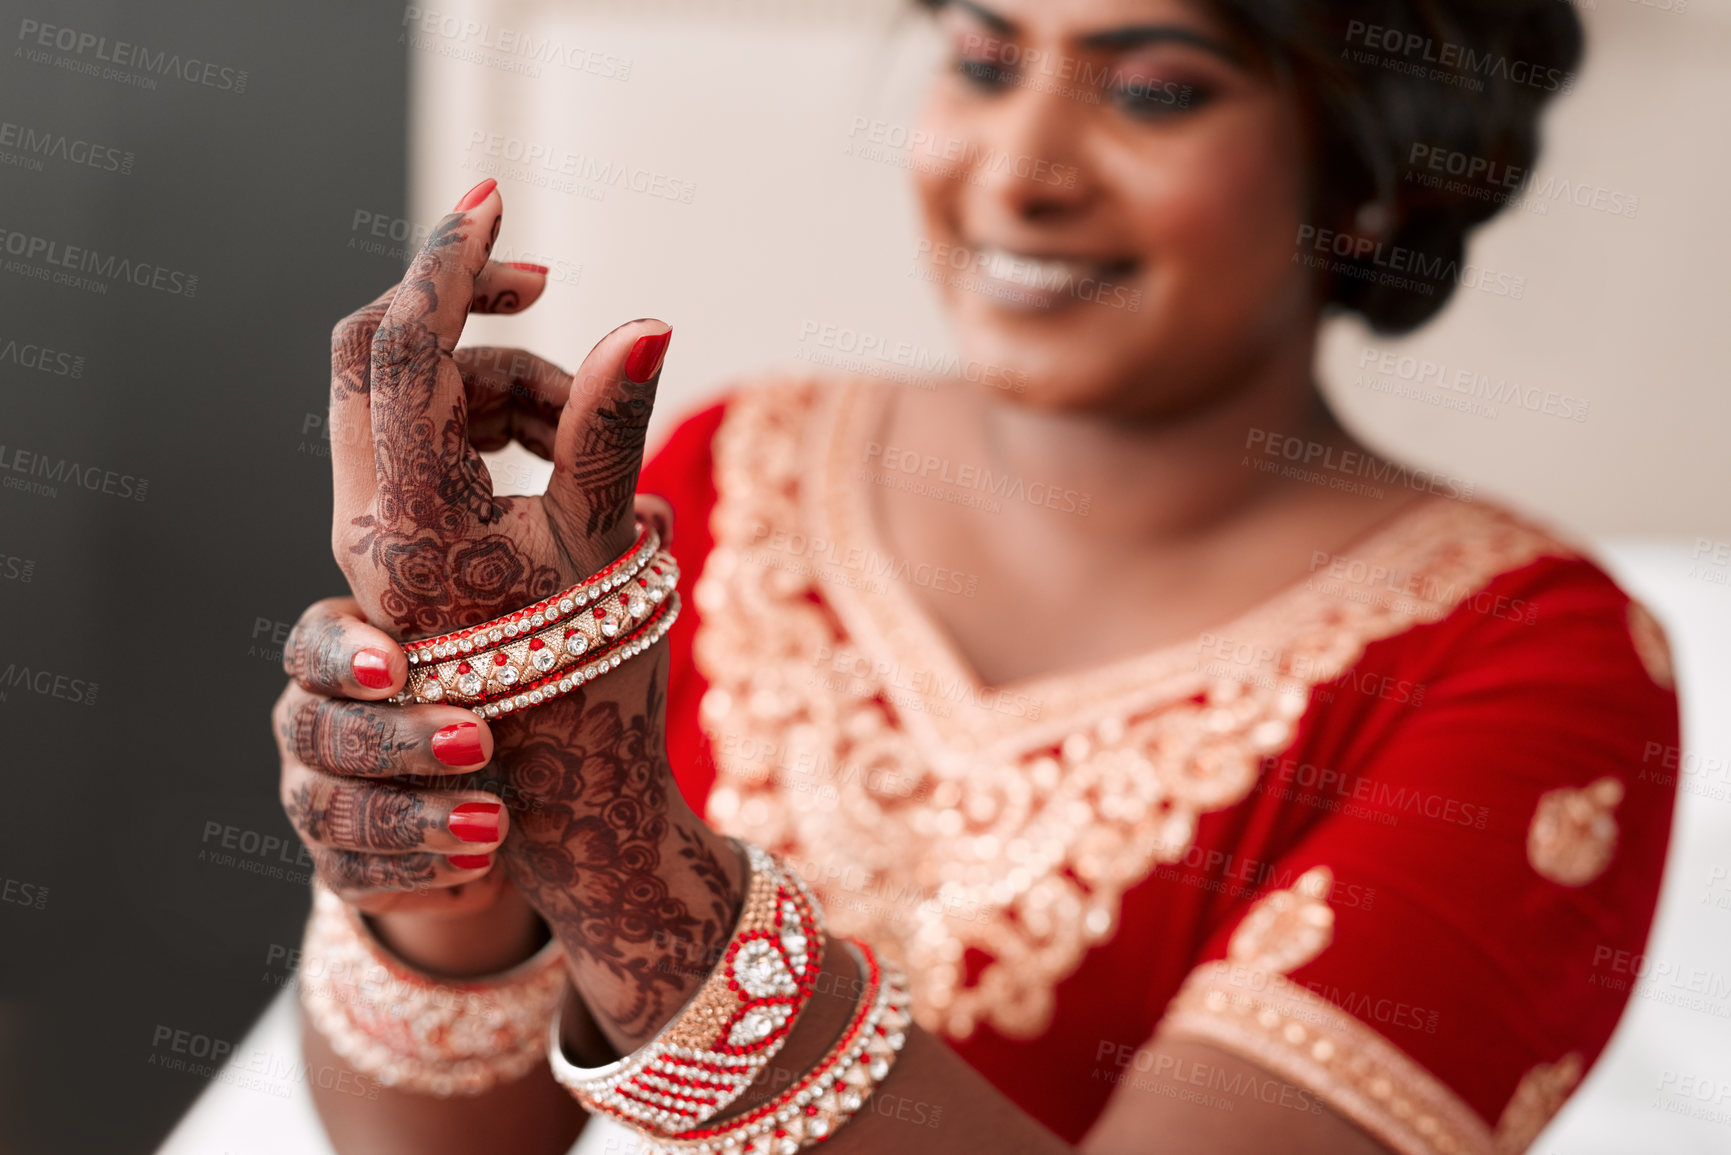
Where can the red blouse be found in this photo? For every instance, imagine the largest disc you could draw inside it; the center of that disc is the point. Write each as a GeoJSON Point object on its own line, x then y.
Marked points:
{"type": "Point", "coordinates": [1384, 834]}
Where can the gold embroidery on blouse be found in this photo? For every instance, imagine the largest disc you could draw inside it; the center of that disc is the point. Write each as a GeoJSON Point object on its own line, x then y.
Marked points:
{"type": "Point", "coordinates": [1540, 1095]}
{"type": "Point", "coordinates": [1286, 928]}
{"type": "Point", "coordinates": [1651, 645]}
{"type": "Point", "coordinates": [982, 837]}
{"type": "Point", "coordinates": [1286, 1029]}
{"type": "Point", "coordinates": [1574, 832]}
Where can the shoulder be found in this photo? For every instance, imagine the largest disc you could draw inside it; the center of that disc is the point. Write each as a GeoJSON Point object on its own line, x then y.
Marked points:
{"type": "Point", "coordinates": [1512, 599]}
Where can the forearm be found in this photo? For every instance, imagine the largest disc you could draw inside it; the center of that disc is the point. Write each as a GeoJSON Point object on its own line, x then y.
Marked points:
{"type": "Point", "coordinates": [644, 897]}
{"type": "Point", "coordinates": [526, 1115]}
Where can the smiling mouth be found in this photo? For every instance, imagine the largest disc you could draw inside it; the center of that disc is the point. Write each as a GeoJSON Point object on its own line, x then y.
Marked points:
{"type": "Point", "coordinates": [1045, 275]}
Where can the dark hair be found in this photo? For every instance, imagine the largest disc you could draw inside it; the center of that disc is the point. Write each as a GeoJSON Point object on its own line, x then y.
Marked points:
{"type": "Point", "coordinates": [1424, 112]}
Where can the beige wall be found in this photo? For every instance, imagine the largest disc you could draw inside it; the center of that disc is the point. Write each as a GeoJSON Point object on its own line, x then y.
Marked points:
{"type": "Point", "coordinates": [747, 107]}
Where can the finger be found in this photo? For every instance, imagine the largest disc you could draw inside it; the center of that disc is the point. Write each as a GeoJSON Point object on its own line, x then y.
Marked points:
{"type": "Point", "coordinates": [512, 395]}
{"type": "Point", "coordinates": [356, 875]}
{"type": "Point", "coordinates": [658, 512]}
{"type": "Point", "coordinates": [452, 900]}
{"type": "Point", "coordinates": [382, 818]}
{"type": "Point", "coordinates": [600, 444]}
{"type": "Point", "coordinates": [420, 442]}
{"type": "Point", "coordinates": [332, 651]}
{"type": "Point", "coordinates": [500, 288]}
{"type": "Point", "coordinates": [369, 740]}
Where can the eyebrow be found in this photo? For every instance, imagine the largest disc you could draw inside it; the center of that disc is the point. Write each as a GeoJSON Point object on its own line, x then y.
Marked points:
{"type": "Point", "coordinates": [1116, 39]}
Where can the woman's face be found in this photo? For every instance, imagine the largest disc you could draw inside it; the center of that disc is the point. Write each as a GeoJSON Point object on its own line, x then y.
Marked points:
{"type": "Point", "coordinates": [1111, 196]}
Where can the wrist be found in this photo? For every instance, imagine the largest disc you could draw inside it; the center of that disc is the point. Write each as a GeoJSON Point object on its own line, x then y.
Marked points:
{"type": "Point", "coordinates": [494, 939]}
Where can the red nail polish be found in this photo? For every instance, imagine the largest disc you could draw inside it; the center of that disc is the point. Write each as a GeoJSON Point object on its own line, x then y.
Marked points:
{"type": "Point", "coordinates": [476, 822]}
{"type": "Point", "coordinates": [458, 745]}
{"type": "Point", "coordinates": [372, 669]}
{"type": "Point", "coordinates": [644, 360]}
{"type": "Point", "coordinates": [476, 195]}
{"type": "Point", "coordinates": [527, 267]}
{"type": "Point", "coordinates": [469, 861]}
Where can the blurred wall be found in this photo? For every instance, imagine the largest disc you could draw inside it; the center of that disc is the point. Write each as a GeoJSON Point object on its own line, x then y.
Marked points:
{"type": "Point", "coordinates": [180, 186]}
{"type": "Point", "coordinates": [764, 219]}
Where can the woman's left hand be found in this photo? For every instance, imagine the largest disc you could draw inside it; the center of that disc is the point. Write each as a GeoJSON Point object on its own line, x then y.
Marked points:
{"type": "Point", "coordinates": [425, 543]}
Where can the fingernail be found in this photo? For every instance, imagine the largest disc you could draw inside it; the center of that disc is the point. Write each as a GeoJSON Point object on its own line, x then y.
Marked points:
{"type": "Point", "coordinates": [458, 745]}
{"type": "Point", "coordinates": [475, 195]}
{"type": "Point", "coordinates": [527, 267]}
{"type": "Point", "coordinates": [644, 360]}
{"type": "Point", "coordinates": [372, 669]}
{"type": "Point", "coordinates": [476, 822]}
{"type": "Point", "coordinates": [469, 861]}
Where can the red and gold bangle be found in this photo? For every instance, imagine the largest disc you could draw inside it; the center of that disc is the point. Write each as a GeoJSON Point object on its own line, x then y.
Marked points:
{"type": "Point", "coordinates": [410, 1030]}
{"type": "Point", "coordinates": [815, 1106]}
{"type": "Point", "coordinates": [719, 1043]}
{"type": "Point", "coordinates": [558, 683]}
{"type": "Point", "coordinates": [472, 639]}
{"type": "Point", "coordinates": [536, 646]}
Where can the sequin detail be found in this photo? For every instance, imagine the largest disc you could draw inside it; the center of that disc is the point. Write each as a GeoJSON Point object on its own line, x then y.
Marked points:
{"type": "Point", "coordinates": [1573, 834]}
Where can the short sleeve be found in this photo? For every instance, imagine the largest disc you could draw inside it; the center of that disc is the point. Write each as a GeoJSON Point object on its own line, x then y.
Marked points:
{"type": "Point", "coordinates": [1437, 957]}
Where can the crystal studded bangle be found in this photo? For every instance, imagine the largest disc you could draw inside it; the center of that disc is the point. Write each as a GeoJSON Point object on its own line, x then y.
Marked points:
{"type": "Point", "coordinates": [815, 1106]}
{"type": "Point", "coordinates": [535, 648]}
{"type": "Point", "coordinates": [716, 1046]}
{"type": "Point", "coordinates": [412, 1030]}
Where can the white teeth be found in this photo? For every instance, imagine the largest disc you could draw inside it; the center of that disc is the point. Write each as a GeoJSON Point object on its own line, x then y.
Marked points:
{"type": "Point", "coordinates": [1030, 272]}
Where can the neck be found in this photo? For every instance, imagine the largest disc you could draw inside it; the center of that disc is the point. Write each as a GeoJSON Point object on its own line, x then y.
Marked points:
{"type": "Point", "coordinates": [1162, 475]}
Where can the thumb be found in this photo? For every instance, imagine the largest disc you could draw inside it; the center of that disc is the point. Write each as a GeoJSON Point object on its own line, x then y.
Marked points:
{"type": "Point", "coordinates": [598, 448]}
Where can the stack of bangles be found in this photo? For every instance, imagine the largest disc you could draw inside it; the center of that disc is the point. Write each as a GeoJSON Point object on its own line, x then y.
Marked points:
{"type": "Point", "coordinates": [435, 1036]}
{"type": "Point", "coordinates": [536, 654]}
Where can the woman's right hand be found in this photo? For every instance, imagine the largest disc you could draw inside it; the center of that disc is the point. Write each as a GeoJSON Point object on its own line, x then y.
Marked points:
{"type": "Point", "coordinates": [379, 793]}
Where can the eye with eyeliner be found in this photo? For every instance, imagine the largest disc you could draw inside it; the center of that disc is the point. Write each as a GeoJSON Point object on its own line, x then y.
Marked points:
{"type": "Point", "coordinates": [1151, 98]}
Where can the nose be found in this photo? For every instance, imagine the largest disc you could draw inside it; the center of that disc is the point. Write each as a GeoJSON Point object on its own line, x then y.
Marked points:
{"type": "Point", "coordinates": [1031, 165]}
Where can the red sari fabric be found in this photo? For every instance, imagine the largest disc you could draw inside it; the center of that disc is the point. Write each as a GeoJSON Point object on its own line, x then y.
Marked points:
{"type": "Point", "coordinates": [1411, 909]}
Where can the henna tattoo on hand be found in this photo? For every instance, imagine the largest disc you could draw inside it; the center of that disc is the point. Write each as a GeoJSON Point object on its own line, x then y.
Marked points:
{"type": "Point", "coordinates": [611, 454]}
{"type": "Point", "coordinates": [433, 490]}
{"type": "Point", "coordinates": [349, 738]}
{"type": "Point", "coordinates": [353, 874]}
{"type": "Point", "coordinates": [356, 817]}
{"type": "Point", "coordinates": [596, 858]}
{"type": "Point", "coordinates": [319, 656]}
